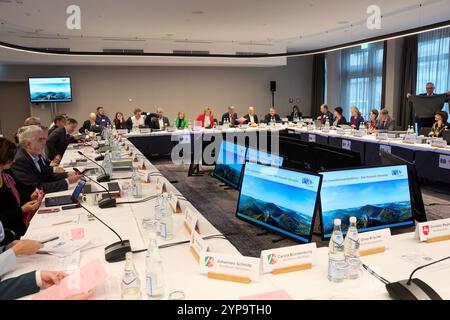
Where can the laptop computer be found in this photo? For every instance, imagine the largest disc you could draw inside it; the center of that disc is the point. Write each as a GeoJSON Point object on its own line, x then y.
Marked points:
{"type": "Point", "coordinates": [64, 200]}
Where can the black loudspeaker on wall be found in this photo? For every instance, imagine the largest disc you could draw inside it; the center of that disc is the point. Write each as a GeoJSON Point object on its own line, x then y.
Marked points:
{"type": "Point", "coordinates": [273, 86]}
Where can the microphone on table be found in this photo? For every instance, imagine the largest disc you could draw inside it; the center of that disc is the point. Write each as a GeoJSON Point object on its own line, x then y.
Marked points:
{"type": "Point", "coordinates": [101, 178]}
{"type": "Point", "coordinates": [114, 252]}
{"type": "Point", "coordinates": [413, 288]}
{"type": "Point", "coordinates": [103, 203]}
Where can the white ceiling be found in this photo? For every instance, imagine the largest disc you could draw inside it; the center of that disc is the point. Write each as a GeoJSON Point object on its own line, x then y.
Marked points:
{"type": "Point", "coordinates": [222, 27]}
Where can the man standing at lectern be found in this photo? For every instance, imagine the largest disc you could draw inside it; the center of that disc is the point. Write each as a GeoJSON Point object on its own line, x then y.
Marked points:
{"type": "Point", "coordinates": [440, 100]}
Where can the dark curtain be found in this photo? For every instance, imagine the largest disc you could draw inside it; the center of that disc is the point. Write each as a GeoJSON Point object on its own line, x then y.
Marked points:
{"type": "Point", "coordinates": [383, 86]}
{"type": "Point", "coordinates": [318, 83]}
{"type": "Point", "coordinates": [409, 79]}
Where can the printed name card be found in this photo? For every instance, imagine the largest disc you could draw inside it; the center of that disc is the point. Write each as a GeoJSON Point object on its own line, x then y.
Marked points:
{"type": "Point", "coordinates": [229, 267]}
{"type": "Point", "coordinates": [382, 136]}
{"type": "Point", "coordinates": [161, 186]}
{"type": "Point", "coordinates": [444, 162]}
{"type": "Point", "coordinates": [439, 143]}
{"type": "Point", "coordinates": [385, 148]}
{"type": "Point", "coordinates": [360, 133]}
{"type": "Point", "coordinates": [174, 203]}
{"type": "Point", "coordinates": [190, 220]}
{"type": "Point", "coordinates": [197, 246]}
{"type": "Point", "coordinates": [122, 131]}
{"type": "Point", "coordinates": [434, 231]}
{"type": "Point", "coordinates": [145, 130]}
{"type": "Point", "coordinates": [312, 138]}
{"type": "Point", "coordinates": [340, 131]}
{"type": "Point", "coordinates": [409, 138]}
{"type": "Point", "coordinates": [374, 241]}
{"type": "Point", "coordinates": [310, 127]}
{"type": "Point", "coordinates": [346, 145]}
{"type": "Point", "coordinates": [288, 259]}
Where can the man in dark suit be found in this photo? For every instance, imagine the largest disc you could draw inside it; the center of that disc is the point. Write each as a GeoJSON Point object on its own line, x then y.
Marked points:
{"type": "Point", "coordinates": [325, 115]}
{"type": "Point", "coordinates": [59, 122]}
{"type": "Point", "coordinates": [272, 116]}
{"type": "Point", "coordinates": [58, 141]}
{"type": "Point", "coordinates": [160, 122]}
{"type": "Point", "coordinates": [251, 117]}
{"type": "Point", "coordinates": [90, 124]}
{"type": "Point", "coordinates": [31, 171]}
{"type": "Point", "coordinates": [230, 116]}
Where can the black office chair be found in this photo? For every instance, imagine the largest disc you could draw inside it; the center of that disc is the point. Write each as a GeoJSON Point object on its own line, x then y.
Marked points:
{"type": "Point", "coordinates": [424, 131]}
{"type": "Point", "coordinates": [446, 136]}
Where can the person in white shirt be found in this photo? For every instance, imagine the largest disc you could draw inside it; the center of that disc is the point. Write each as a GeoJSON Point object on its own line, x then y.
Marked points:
{"type": "Point", "coordinates": [138, 119]}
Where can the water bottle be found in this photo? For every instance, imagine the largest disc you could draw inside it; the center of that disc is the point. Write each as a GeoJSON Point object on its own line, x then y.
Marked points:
{"type": "Point", "coordinates": [351, 249]}
{"type": "Point", "coordinates": [116, 155]}
{"type": "Point", "coordinates": [166, 219]}
{"type": "Point", "coordinates": [131, 285]}
{"type": "Point", "coordinates": [107, 164]}
{"type": "Point", "coordinates": [336, 256]}
{"type": "Point", "coordinates": [136, 184]}
{"type": "Point", "coordinates": [154, 273]}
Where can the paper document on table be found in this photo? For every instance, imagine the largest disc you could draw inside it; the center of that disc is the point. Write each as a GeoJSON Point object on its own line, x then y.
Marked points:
{"type": "Point", "coordinates": [63, 248]}
{"type": "Point", "coordinates": [88, 277]}
{"type": "Point", "coordinates": [418, 259]}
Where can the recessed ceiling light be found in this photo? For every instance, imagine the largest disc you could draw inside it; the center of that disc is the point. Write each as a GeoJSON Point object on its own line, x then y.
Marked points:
{"type": "Point", "coordinates": [198, 12]}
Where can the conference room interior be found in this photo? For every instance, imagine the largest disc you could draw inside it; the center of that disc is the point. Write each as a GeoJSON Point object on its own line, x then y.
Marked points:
{"type": "Point", "coordinates": [313, 90]}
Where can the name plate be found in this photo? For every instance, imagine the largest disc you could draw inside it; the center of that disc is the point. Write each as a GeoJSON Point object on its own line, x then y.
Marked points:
{"type": "Point", "coordinates": [360, 133]}
{"type": "Point", "coordinates": [122, 131]}
{"type": "Point", "coordinates": [374, 241]}
{"type": "Point", "coordinates": [310, 128]}
{"type": "Point", "coordinates": [145, 130]}
{"type": "Point", "coordinates": [190, 220]}
{"type": "Point", "coordinates": [346, 145]}
{"type": "Point", "coordinates": [385, 148]}
{"type": "Point", "coordinates": [444, 161]}
{"type": "Point", "coordinates": [312, 138]}
{"type": "Point", "coordinates": [161, 186]}
{"type": "Point", "coordinates": [434, 231]}
{"type": "Point", "coordinates": [229, 267]}
{"type": "Point", "coordinates": [174, 203]}
{"type": "Point", "coordinates": [197, 246]}
{"type": "Point", "coordinates": [439, 143]}
{"type": "Point", "coordinates": [340, 131]}
{"type": "Point", "coordinates": [409, 138]}
{"type": "Point", "coordinates": [382, 136]}
{"type": "Point", "coordinates": [288, 259]}
{"type": "Point", "coordinates": [325, 130]}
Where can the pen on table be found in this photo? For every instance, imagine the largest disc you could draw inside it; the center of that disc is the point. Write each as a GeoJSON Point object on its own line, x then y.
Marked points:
{"type": "Point", "coordinates": [63, 222]}
{"type": "Point", "coordinates": [48, 240]}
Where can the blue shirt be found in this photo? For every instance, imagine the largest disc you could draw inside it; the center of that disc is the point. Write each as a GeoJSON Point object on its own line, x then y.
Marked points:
{"type": "Point", "coordinates": [102, 121]}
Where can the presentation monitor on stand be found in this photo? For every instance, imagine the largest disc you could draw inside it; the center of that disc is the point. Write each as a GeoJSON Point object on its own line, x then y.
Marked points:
{"type": "Point", "coordinates": [229, 163]}
{"type": "Point", "coordinates": [328, 158]}
{"type": "Point", "coordinates": [414, 184]}
{"type": "Point", "coordinates": [297, 154]}
{"type": "Point", "coordinates": [379, 197]}
{"type": "Point", "coordinates": [279, 200]}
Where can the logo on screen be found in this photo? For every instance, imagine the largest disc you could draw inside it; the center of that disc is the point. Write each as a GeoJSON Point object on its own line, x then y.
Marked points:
{"type": "Point", "coordinates": [307, 181]}
{"type": "Point", "coordinates": [209, 262]}
{"type": "Point", "coordinates": [397, 172]}
{"type": "Point", "coordinates": [426, 230]}
{"type": "Point", "coordinates": [272, 258]}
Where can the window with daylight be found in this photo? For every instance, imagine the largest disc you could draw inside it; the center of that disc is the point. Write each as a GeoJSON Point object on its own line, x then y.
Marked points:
{"type": "Point", "coordinates": [433, 61]}
{"type": "Point", "coordinates": [362, 78]}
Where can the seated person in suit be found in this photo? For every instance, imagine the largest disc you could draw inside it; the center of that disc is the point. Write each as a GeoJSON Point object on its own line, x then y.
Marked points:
{"type": "Point", "coordinates": [206, 117]}
{"type": "Point", "coordinates": [325, 115]}
{"type": "Point", "coordinates": [58, 141]}
{"type": "Point", "coordinates": [295, 114]}
{"type": "Point", "coordinates": [138, 120]}
{"type": "Point", "coordinates": [58, 122]}
{"type": "Point", "coordinates": [31, 171]}
{"type": "Point", "coordinates": [251, 117]}
{"type": "Point", "coordinates": [160, 122]}
{"type": "Point", "coordinates": [339, 119]}
{"type": "Point", "coordinates": [180, 121]}
{"type": "Point", "coordinates": [90, 124]}
{"type": "Point", "coordinates": [356, 120]}
{"type": "Point", "coordinates": [385, 122]}
{"type": "Point", "coordinates": [272, 117]}
{"type": "Point", "coordinates": [17, 206]}
{"type": "Point", "coordinates": [230, 116]}
{"type": "Point", "coordinates": [28, 283]}
{"type": "Point", "coordinates": [372, 125]}
{"type": "Point", "coordinates": [119, 121]}
{"type": "Point", "coordinates": [101, 118]}
{"type": "Point", "coordinates": [441, 124]}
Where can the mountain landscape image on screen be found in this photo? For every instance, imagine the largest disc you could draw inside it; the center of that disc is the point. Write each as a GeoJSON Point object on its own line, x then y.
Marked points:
{"type": "Point", "coordinates": [369, 216]}
{"type": "Point", "coordinates": [50, 96]}
{"type": "Point", "coordinates": [231, 173]}
{"type": "Point", "coordinates": [274, 215]}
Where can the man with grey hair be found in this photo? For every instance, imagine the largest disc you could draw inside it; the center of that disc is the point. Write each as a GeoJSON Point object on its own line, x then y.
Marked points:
{"type": "Point", "coordinates": [230, 116]}
{"type": "Point", "coordinates": [160, 122]}
{"type": "Point", "coordinates": [30, 121]}
{"type": "Point", "coordinates": [29, 168]}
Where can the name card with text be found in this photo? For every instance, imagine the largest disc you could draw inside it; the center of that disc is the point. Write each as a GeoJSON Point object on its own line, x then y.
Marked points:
{"type": "Point", "coordinates": [444, 161]}
{"type": "Point", "coordinates": [433, 231]}
{"type": "Point", "coordinates": [288, 259]}
{"type": "Point", "coordinates": [312, 138]}
{"type": "Point", "coordinates": [160, 185]}
{"type": "Point", "coordinates": [197, 246]}
{"type": "Point", "coordinates": [190, 220]}
{"type": "Point", "coordinates": [145, 130]}
{"type": "Point", "coordinates": [374, 241]}
{"type": "Point", "coordinates": [439, 143]}
{"type": "Point", "coordinates": [360, 133]}
{"type": "Point", "coordinates": [346, 145]}
{"type": "Point", "coordinates": [340, 131]}
{"type": "Point", "coordinates": [229, 267]}
{"type": "Point", "coordinates": [122, 131]}
{"type": "Point", "coordinates": [409, 138]}
{"type": "Point", "coordinates": [174, 203]}
{"type": "Point", "coordinates": [382, 136]}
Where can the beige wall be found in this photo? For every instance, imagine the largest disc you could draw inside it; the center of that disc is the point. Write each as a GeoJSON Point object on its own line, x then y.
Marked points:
{"type": "Point", "coordinates": [176, 89]}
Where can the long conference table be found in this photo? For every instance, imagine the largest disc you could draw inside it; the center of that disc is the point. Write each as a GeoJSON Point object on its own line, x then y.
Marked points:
{"type": "Point", "coordinates": [432, 163]}
{"type": "Point", "coordinates": [182, 272]}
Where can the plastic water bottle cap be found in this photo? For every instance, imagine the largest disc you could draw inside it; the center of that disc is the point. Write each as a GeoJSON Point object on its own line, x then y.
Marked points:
{"type": "Point", "coordinates": [337, 222]}
{"type": "Point", "coordinates": [352, 219]}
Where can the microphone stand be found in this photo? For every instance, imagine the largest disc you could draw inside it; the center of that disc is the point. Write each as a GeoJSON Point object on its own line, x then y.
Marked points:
{"type": "Point", "coordinates": [101, 178]}
{"type": "Point", "coordinates": [103, 203]}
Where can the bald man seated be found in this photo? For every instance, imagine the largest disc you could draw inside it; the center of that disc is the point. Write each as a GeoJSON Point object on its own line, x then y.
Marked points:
{"type": "Point", "coordinates": [90, 124]}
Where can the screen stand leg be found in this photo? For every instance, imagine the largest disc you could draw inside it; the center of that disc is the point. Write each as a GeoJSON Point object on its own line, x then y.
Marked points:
{"type": "Point", "coordinates": [265, 233]}
{"type": "Point", "coordinates": [194, 170]}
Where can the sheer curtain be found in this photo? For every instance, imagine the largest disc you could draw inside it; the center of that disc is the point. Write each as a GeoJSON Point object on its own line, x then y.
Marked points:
{"type": "Point", "coordinates": [433, 63]}
{"type": "Point", "coordinates": [362, 78]}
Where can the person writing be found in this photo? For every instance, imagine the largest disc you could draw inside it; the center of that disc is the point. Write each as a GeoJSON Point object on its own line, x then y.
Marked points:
{"type": "Point", "coordinates": [356, 119]}
{"type": "Point", "coordinates": [180, 121]}
{"type": "Point", "coordinates": [441, 124]}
